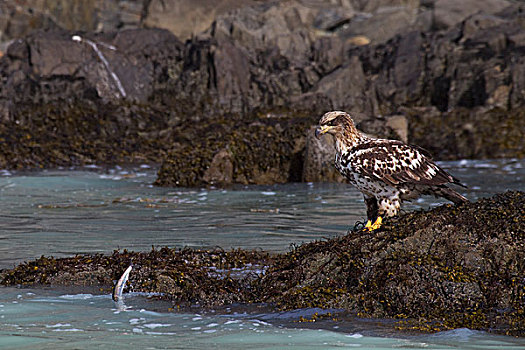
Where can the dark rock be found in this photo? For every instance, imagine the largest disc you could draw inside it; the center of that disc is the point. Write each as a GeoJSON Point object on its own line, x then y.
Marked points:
{"type": "Point", "coordinates": [448, 13]}
{"type": "Point", "coordinates": [371, 6]}
{"type": "Point", "coordinates": [220, 170]}
{"type": "Point", "coordinates": [381, 25]}
{"type": "Point", "coordinates": [450, 267]}
{"type": "Point", "coordinates": [187, 18]}
{"type": "Point", "coordinates": [345, 87]}
{"type": "Point", "coordinates": [332, 18]}
{"type": "Point", "coordinates": [123, 67]}
{"type": "Point", "coordinates": [231, 75]}
{"type": "Point", "coordinates": [21, 18]}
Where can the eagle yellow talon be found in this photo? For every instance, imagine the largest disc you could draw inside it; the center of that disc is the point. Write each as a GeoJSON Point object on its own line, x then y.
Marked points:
{"type": "Point", "coordinates": [371, 227]}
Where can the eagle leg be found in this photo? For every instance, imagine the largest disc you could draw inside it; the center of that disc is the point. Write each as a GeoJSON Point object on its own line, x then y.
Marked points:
{"type": "Point", "coordinates": [371, 227]}
{"type": "Point", "coordinates": [372, 212]}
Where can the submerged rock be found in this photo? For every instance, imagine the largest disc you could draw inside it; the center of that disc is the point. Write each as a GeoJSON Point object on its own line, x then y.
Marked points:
{"type": "Point", "coordinates": [445, 268]}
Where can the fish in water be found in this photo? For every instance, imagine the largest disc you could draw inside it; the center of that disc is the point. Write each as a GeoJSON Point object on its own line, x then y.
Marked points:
{"type": "Point", "coordinates": [119, 287]}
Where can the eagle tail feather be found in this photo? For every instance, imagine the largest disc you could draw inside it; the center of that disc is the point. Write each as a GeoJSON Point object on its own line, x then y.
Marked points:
{"type": "Point", "coordinates": [451, 195]}
{"type": "Point", "coordinates": [457, 182]}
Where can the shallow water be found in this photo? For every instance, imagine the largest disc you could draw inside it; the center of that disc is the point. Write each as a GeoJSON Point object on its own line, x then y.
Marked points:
{"type": "Point", "coordinates": [44, 319]}
{"type": "Point", "coordinates": [63, 212]}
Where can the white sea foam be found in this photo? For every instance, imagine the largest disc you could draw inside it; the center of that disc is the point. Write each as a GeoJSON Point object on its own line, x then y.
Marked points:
{"type": "Point", "coordinates": [355, 335]}
{"type": "Point", "coordinates": [68, 330]}
{"type": "Point", "coordinates": [232, 322]}
{"type": "Point", "coordinates": [156, 325]}
{"type": "Point", "coordinates": [58, 325]}
{"type": "Point", "coordinates": [136, 320]}
{"type": "Point", "coordinates": [77, 296]}
{"type": "Point", "coordinates": [160, 333]}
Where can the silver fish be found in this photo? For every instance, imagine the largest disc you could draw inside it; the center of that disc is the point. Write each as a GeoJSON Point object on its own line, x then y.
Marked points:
{"type": "Point", "coordinates": [119, 287]}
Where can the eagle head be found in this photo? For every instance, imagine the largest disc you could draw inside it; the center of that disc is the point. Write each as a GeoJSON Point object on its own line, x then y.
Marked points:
{"type": "Point", "coordinates": [335, 122]}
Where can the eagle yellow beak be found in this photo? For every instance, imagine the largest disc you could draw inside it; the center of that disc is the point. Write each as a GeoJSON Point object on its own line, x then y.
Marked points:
{"type": "Point", "coordinates": [321, 129]}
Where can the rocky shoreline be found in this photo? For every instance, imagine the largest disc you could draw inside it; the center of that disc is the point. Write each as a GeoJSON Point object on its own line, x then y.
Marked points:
{"type": "Point", "coordinates": [445, 268]}
{"type": "Point", "coordinates": [209, 108]}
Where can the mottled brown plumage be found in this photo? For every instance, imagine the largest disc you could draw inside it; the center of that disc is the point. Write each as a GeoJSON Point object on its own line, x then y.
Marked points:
{"type": "Point", "coordinates": [387, 172]}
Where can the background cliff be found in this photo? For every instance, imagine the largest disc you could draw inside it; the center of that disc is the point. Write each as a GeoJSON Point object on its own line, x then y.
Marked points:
{"type": "Point", "coordinates": [228, 93]}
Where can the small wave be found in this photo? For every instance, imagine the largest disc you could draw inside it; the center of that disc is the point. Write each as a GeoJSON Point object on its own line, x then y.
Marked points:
{"type": "Point", "coordinates": [68, 330]}
{"type": "Point", "coordinates": [77, 296]}
{"type": "Point", "coordinates": [160, 333]}
{"type": "Point", "coordinates": [232, 322]}
{"type": "Point", "coordinates": [136, 320]}
{"type": "Point", "coordinates": [58, 325]}
{"type": "Point", "coordinates": [461, 334]}
{"type": "Point", "coordinates": [157, 325]}
{"type": "Point", "coordinates": [354, 335]}
{"type": "Point", "coordinates": [110, 177]}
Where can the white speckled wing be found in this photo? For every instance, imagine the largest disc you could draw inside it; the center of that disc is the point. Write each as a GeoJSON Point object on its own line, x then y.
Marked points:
{"type": "Point", "coordinates": [393, 163]}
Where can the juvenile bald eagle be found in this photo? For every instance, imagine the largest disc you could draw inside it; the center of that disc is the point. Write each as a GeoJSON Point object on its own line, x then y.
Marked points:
{"type": "Point", "coordinates": [387, 172]}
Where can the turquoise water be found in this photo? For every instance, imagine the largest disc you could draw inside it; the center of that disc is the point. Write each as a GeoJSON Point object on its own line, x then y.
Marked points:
{"type": "Point", "coordinates": [41, 319]}
{"type": "Point", "coordinates": [63, 212]}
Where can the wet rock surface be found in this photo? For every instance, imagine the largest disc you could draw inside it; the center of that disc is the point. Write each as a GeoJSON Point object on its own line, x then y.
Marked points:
{"type": "Point", "coordinates": [445, 268]}
{"type": "Point", "coordinates": [128, 94]}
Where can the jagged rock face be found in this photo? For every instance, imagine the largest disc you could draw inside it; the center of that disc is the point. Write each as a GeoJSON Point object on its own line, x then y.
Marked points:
{"type": "Point", "coordinates": [68, 65]}
{"type": "Point", "coordinates": [285, 57]}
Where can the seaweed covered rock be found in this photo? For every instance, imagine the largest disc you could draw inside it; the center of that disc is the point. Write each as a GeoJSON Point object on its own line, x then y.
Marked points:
{"type": "Point", "coordinates": [186, 276]}
{"type": "Point", "coordinates": [243, 150]}
{"type": "Point", "coordinates": [445, 268]}
{"type": "Point", "coordinates": [483, 133]}
{"type": "Point", "coordinates": [78, 132]}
